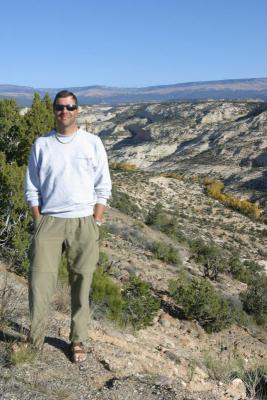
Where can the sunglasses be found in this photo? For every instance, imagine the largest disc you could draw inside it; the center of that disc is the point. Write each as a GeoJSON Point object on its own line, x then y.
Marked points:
{"type": "Point", "coordinates": [69, 107]}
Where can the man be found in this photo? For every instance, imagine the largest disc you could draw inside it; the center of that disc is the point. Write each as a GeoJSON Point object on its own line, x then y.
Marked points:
{"type": "Point", "coordinates": [67, 185]}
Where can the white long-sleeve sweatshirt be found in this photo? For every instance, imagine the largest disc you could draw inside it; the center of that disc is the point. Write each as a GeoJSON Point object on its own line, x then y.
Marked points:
{"type": "Point", "coordinates": [67, 179]}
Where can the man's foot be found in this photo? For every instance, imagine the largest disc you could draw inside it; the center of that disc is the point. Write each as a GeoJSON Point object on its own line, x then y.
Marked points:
{"type": "Point", "coordinates": [78, 353]}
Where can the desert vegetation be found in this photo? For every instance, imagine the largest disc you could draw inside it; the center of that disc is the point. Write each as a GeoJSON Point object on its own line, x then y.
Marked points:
{"type": "Point", "coordinates": [215, 190]}
{"type": "Point", "coordinates": [123, 166]}
{"type": "Point", "coordinates": [200, 301]}
{"type": "Point", "coordinates": [131, 305]}
{"type": "Point", "coordinates": [17, 133]}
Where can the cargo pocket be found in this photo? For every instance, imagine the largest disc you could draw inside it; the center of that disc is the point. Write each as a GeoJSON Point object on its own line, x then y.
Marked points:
{"type": "Point", "coordinates": [38, 222]}
{"type": "Point", "coordinates": [36, 227]}
{"type": "Point", "coordinates": [95, 228]}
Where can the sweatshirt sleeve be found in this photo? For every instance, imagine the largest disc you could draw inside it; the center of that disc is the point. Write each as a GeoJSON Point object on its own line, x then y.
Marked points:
{"type": "Point", "coordinates": [32, 191]}
{"type": "Point", "coordinates": [102, 176]}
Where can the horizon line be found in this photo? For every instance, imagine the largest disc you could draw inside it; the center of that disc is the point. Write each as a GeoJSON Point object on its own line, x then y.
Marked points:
{"type": "Point", "coordinates": [133, 87]}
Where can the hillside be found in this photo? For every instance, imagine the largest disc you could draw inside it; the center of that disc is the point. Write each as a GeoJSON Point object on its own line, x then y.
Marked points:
{"type": "Point", "coordinates": [174, 358]}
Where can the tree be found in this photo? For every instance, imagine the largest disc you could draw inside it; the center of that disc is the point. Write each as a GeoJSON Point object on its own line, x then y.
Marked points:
{"type": "Point", "coordinates": [15, 224]}
{"type": "Point", "coordinates": [254, 299]}
{"type": "Point", "coordinates": [38, 120]}
{"type": "Point", "coordinates": [17, 133]}
{"type": "Point", "coordinates": [210, 256]}
{"type": "Point", "coordinates": [12, 129]}
{"type": "Point", "coordinates": [48, 105]}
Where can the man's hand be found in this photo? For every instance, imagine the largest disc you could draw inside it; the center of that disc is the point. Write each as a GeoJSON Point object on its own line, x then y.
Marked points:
{"type": "Point", "coordinates": [99, 212]}
{"type": "Point", "coordinates": [36, 212]}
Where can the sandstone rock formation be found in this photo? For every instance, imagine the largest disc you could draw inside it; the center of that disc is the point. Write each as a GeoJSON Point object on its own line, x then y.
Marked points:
{"type": "Point", "coordinates": [225, 140]}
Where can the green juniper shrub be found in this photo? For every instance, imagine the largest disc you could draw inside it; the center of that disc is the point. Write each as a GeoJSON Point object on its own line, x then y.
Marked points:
{"type": "Point", "coordinates": [63, 272]}
{"type": "Point", "coordinates": [246, 271]}
{"type": "Point", "coordinates": [103, 232]}
{"type": "Point", "coordinates": [166, 252]}
{"type": "Point", "coordinates": [200, 301]}
{"type": "Point", "coordinates": [240, 317]}
{"type": "Point", "coordinates": [254, 299]}
{"type": "Point", "coordinates": [123, 202]}
{"type": "Point", "coordinates": [12, 130]}
{"type": "Point", "coordinates": [263, 253]}
{"type": "Point", "coordinates": [135, 236]}
{"type": "Point", "coordinates": [210, 256]}
{"type": "Point", "coordinates": [236, 268]}
{"type": "Point", "coordinates": [106, 295]}
{"type": "Point", "coordinates": [15, 221]}
{"type": "Point", "coordinates": [139, 304]}
{"type": "Point", "coordinates": [165, 222]}
{"type": "Point", "coordinates": [138, 225]}
{"type": "Point", "coordinates": [253, 266]}
{"type": "Point", "coordinates": [38, 120]}
{"type": "Point", "coordinates": [156, 216]}
{"type": "Point", "coordinates": [173, 230]}
{"type": "Point", "coordinates": [17, 132]}
{"type": "Point", "coordinates": [103, 260]}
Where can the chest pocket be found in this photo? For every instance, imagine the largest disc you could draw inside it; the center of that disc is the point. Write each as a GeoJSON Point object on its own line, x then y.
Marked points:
{"type": "Point", "coordinates": [84, 164]}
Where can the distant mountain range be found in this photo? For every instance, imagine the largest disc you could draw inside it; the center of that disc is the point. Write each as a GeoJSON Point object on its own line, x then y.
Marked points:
{"type": "Point", "coordinates": [232, 89]}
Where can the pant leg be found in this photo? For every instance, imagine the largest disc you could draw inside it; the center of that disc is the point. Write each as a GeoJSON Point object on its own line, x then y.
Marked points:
{"type": "Point", "coordinates": [45, 253]}
{"type": "Point", "coordinates": [82, 254]}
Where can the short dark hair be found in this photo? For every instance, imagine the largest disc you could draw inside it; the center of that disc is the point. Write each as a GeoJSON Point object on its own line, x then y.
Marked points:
{"type": "Point", "coordinates": [64, 93]}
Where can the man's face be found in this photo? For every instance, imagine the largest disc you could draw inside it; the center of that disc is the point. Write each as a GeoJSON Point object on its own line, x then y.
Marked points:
{"type": "Point", "coordinates": [66, 120]}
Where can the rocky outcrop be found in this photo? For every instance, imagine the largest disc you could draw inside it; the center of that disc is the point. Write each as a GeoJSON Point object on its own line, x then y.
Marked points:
{"type": "Point", "coordinates": [236, 390]}
{"type": "Point", "coordinates": [226, 140]}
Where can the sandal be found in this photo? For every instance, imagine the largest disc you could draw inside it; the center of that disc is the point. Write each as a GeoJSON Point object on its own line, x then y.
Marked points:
{"type": "Point", "coordinates": [78, 353]}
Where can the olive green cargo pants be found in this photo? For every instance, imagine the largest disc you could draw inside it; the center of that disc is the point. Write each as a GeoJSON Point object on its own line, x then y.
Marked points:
{"type": "Point", "coordinates": [80, 237]}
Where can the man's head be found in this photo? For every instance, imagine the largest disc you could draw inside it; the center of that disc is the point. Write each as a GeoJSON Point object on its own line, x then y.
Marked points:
{"type": "Point", "coordinates": [63, 94]}
{"type": "Point", "coordinates": [65, 107]}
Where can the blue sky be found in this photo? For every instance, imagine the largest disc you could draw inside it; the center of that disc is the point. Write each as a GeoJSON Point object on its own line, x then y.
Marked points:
{"type": "Point", "coordinates": [131, 43]}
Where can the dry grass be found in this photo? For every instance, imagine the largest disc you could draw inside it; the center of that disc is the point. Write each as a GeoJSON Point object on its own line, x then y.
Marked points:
{"type": "Point", "coordinates": [20, 353]}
